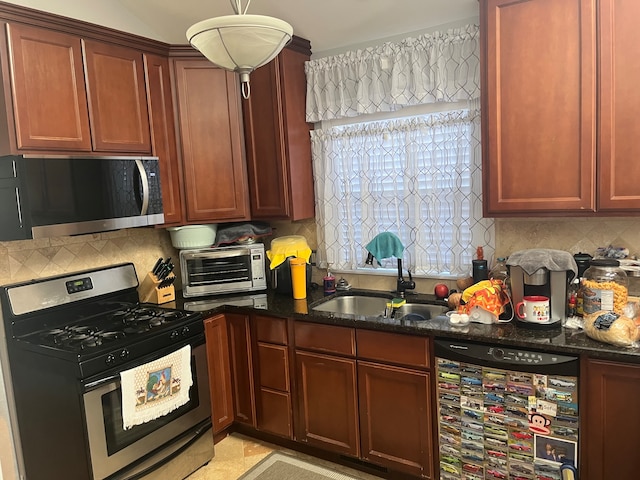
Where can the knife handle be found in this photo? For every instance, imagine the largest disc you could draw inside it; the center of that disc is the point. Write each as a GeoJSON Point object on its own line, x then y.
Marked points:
{"type": "Point", "coordinates": [154, 270]}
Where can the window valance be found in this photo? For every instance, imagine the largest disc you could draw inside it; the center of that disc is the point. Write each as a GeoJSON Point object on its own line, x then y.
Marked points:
{"type": "Point", "coordinates": [435, 67]}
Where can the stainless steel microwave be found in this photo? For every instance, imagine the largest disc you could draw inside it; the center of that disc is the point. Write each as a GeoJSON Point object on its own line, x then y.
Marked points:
{"type": "Point", "coordinates": [217, 270]}
{"type": "Point", "coordinates": [49, 195]}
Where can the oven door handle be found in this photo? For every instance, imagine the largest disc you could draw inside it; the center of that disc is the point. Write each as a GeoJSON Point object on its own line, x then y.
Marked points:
{"type": "Point", "coordinates": [111, 379]}
{"type": "Point", "coordinates": [114, 378]}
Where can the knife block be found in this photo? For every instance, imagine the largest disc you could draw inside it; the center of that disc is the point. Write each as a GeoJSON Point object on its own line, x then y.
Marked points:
{"type": "Point", "coordinates": [149, 290]}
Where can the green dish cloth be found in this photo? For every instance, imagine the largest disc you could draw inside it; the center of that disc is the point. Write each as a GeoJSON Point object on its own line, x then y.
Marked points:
{"type": "Point", "coordinates": [385, 245]}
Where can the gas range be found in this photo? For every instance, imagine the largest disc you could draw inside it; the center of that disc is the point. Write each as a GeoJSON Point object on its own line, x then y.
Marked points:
{"type": "Point", "coordinates": [121, 326]}
{"type": "Point", "coordinates": [93, 321]}
{"type": "Point", "coordinates": [66, 342]}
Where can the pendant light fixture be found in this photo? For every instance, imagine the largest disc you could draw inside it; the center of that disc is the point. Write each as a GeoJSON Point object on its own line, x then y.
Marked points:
{"type": "Point", "coordinates": [240, 43]}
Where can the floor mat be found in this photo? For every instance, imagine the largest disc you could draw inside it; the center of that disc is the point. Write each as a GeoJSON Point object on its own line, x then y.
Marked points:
{"type": "Point", "coordinates": [279, 466]}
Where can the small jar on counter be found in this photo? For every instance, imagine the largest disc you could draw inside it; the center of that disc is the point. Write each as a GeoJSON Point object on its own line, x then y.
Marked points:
{"type": "Point", "coordinates": [604, 286]}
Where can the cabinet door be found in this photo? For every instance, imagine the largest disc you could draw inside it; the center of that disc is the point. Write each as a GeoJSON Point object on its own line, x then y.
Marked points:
{"type": "Point", "coordinates": [215, 329]}
{"type": "Point", "coordinates": [538, 108]}
{"type": "Point", "coordinates": [241, 368]}
{"type": "Point", "coordinates": [277, 139]}
{"type": "Point", "coordinates": [611, 421]}
{"type": "Point", "coordinates": [215, 180]}
{"type": "Point", "coordinates": [163, 134]}
{"type": "Point", "coordinates": [273, 405]}
{"type": "Point", "coordinates": [618, 147]}
{"type": "Point", "coordinates": [48, 91]}
{"type": "Point", "coordinates": [266, 150]}
{"type": "Point", "coordinates": [117, 98]}
{"type": "Point", "coordinates": [395, 418]}
{"type": "Point", "coordinates": [326, 389]}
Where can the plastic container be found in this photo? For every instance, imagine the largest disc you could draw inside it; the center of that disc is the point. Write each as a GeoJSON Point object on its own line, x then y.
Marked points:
{"type": "Point", "coordinates": [480, 270]}
{"type": "Point", "coordinates": [288, 246]}
{"type": "Point", "coordinates": [298, 277]}
{"type": "Point", "coordinates": [193, 236]}
{"type": "Point", "coordinates": [499, 270]}
{"type": "Point", "coordinates": [604, 286]}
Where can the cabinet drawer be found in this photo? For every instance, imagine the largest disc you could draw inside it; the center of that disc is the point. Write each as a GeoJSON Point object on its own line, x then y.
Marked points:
{"type": "Point", "coordinates": [270, 329]}
{"type": "Point", "coordinates": [325, 338]}
{"type": "Point", "coordinates": [274, 414]}
{"type": "Point", "coordinates": [273, 367]}
{"type": "Point", "coordinates": [393, 348]}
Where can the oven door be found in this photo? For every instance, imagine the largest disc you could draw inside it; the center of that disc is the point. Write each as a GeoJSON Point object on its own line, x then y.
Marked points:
{"type": "Point", "coordinates": [112, 448]}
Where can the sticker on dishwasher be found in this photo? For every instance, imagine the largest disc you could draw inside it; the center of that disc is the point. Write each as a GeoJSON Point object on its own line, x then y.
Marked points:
{"type": "Point", "coordinates": [546, 408]}
{"type": "Point", "coordinates": [538, 423]}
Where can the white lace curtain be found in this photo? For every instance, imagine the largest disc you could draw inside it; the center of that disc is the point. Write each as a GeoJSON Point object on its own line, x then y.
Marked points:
{"type": "Point", "coordinates": [437, 67]}
{"type": "Point", "coordinates": [418, 177]}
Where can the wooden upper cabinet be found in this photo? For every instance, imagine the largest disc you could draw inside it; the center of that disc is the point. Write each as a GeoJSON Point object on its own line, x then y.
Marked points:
{"type": "Point", "coordinates": [538, 106]}
{"type": "Point", "coordinates": [277, 138]}
{"type": "Point", "coordinates": [210, 129]}
{"type": "Point", "coordinates": [163, 134]}
{"type": "Point", "coordinates": [117, 98]}
{"type": "Point", "coordinates": [618, 147]}
{"type": "Point", "coordinates": [63, 93]}
{"type": "Point", "coordinates": [47, 106]}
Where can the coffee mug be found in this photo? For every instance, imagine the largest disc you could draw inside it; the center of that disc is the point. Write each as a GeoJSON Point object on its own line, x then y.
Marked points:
{"type": "Point", "coordinates": [533, 308]}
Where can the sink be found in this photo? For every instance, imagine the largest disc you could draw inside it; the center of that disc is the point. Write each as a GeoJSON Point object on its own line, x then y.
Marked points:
{"type": "Point", "coordinates": [373, 306]}
{"type": "Point", "coordinates": [419, 311]}
{"type": "Point", "coordinates": [366, 305]}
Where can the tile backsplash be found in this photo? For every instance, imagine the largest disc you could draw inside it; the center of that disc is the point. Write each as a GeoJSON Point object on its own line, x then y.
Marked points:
{"type": "Point", "coordinates": [22, 260]}
{"type": "Point", "coordinates": [28, 259]}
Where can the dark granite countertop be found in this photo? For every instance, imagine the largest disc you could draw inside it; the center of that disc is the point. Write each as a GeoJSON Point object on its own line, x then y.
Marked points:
{"type": "Point", "coordinates": [556, 339]}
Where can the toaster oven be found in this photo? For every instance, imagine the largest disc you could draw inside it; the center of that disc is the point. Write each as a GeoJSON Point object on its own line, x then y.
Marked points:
{"type": "Point", "coordinates": [218, 270]}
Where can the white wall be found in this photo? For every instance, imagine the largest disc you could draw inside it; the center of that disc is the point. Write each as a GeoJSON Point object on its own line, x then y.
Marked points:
{"type": "Point", "coordinates": [108, 13]}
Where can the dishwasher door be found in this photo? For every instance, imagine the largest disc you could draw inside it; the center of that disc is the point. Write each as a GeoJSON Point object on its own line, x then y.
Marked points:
{"type": "Point", "coordinates": [505, 413]}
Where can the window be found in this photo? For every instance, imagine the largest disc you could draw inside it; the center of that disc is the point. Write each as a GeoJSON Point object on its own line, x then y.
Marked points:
{"type": "Point", "coordinates": [418, 177]}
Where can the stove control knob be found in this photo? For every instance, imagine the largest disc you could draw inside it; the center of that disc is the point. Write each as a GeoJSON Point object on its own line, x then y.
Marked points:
{"type": "Point", "coordinates": [185, 331]}
{"type": "Point", "coordinates": [174, 335]}
{"type": "Point", "coordinates": [110, 359]}
{"type": "Point", "coordinates": [124, 354]}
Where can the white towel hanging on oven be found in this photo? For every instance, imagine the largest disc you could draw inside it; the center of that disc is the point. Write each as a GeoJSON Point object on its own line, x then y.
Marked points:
{"type": "Point", "coordinates": [156, 388]}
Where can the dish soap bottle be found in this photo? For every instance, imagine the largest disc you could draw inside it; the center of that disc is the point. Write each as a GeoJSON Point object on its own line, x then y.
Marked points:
{"type": "Point", "coordinates": [329, 284]}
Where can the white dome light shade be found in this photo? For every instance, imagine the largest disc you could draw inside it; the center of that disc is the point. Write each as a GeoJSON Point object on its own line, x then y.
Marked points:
{"type": "Point", "coordinates": [240, 43]}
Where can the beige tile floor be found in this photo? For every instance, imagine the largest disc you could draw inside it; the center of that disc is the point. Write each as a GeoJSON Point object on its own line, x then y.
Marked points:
{"type": "Point", "coordinates": [237, 453]}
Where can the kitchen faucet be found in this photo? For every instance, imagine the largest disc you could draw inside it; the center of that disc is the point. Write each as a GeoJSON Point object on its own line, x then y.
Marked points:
{"type": "Point", "coordinates": [402, 284]}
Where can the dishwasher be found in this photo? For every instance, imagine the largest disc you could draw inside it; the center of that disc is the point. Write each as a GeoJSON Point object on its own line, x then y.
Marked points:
{"type": "Point", "coordinates": [506, 413]}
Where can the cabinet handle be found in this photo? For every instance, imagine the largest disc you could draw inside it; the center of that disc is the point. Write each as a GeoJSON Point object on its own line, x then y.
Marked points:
{"type": "Point", "coordinates": [145, 186]}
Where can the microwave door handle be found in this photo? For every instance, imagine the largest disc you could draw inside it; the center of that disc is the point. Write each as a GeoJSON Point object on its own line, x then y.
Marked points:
{"type": "Point", "coordinates": [19, 207]}
{"type": "Point", "coordinates": [145, 186]}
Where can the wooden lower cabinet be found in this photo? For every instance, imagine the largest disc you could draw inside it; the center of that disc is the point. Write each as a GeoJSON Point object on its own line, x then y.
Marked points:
{"type": "Point", "coordinates": [328, 404]}
{"type": "Point", "coordinates": [241, 368]}
{"type": "Point", "coordinates": [610, 421]}
{"type": "Point", "coordinates": [273, 404]}
{"type": "Point", "coordinates": [395, 418]}
{"type": "Point", "coordinates": [215, 330]}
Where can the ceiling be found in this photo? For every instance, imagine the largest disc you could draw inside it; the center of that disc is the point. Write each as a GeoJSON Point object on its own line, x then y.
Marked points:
{"type": "Point", "coordinates": [328, 24]}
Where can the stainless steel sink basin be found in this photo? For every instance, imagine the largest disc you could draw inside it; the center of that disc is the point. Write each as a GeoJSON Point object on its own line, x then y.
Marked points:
{"type": "Point", "coordinates": [365, 305]}
{"type": "Point", "coordinates": [419, 311]}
